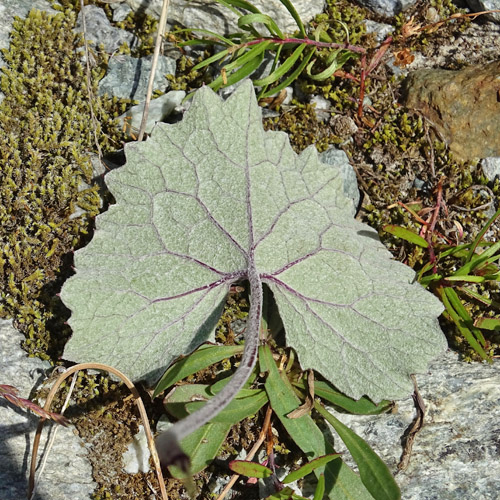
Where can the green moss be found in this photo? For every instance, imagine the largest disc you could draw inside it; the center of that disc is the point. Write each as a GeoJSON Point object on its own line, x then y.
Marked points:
{"type": "Point", "coordinates": [46, 134]}
{"type": "Point", "coordinates": [303, 128]}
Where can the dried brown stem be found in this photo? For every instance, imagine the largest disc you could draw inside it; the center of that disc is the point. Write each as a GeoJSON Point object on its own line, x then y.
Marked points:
{"type": "Point", "coordinates": [138, 401]}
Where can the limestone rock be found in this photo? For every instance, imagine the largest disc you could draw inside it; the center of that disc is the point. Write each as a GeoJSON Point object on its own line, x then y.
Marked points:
{"type": "Point", "coordinates": [68, 474]}
{"type": "Point", "coordinates": [482, 5]}
{"type": "Point", "coordinates": [100, 31]}
{"type": "Point", "coordinates": [210, 15]}
{"type": "Point", "coordinates": [337, 157]}
{"type": "Point", "coordinates": [128, 77]}
{"type": "Point", "coordinates": [491, 168]}
{"type": "Point", "coordinates": [455, 454]}
{"type": "Point", "coordinates": [386, 8]}
{"type": "Point", "coordinates": [463, 106]}
{"type": "Point", "coordinates": [159, 109]}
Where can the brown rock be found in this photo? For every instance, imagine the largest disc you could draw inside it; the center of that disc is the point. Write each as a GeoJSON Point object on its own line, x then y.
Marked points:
{"type": "Point", "coordinates": [464, 107]}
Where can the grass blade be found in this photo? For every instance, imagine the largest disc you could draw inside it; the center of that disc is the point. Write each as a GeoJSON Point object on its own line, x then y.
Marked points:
{"type": "Point", "coordinates": [291, 78]}
{"type": "Point", "coordinates": [239, 74]}
{"type": "Point", "coordinates": [320, 488]}
{"type": "Point", "coordinates": [244, 22]}
{"type": "Point", "coordinates": [479, 237]}
{"type": "Point", "coordinates": [282, 69]}
{"type": "Point", "coordinates": [298, 21]}
{"type": "Point", "coordinates": [445, 294]}
{"type": "Point", "coordinates": [489, 324]}
{"type": "Point", "coordinates": [210, 60]}
{"type": "Point", "coordinates": [309, 467]}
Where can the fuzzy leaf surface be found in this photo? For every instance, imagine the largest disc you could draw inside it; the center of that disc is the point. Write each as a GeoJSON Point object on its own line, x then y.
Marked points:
{"type": "Point", "coordinates": [196, 205]}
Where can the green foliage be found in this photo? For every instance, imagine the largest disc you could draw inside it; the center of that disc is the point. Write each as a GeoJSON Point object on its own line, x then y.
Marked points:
{"type": "Point", "coordinates": [245, 50]}
{"type": "Point", "coordinates": [452, 272]}
{"type": "Point", "coordinates": [252, 469]}
{"type": "Point", "coordinates": [45, 171]}
{"type": "Point", "coordinates": [207, 442]}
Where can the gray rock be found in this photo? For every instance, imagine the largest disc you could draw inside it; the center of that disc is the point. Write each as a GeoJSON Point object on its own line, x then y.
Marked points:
{"type": "Point", "coordinates": [120, 11]}
{"type": "Point", "coordinates": [321, 107]}
{"type": "Point", "coordinates": [128, 77]}
{"type": "Point", "coordinates": [337, 157]}
{"type": "Point", "coordinates": [159, 109]}
{"type": "Point", "coordinates": [380, 30]}
{"type": "Point", "coordinates": [482, 5]}
{"type": "Point", "coordinates": [455, 454]}
{"type": "Point", "coordinates": [208, 14]}
{"type": "Point", "coordinates": [136, 457]}
{"type": "Point", "coordinates": [387, 8]}
{"type": "Point", "coordinates": [68, 474]}
{"type": "Point", "coordinates": [491, 168]}
{"type": "Point", "coordinates": [100, 31]}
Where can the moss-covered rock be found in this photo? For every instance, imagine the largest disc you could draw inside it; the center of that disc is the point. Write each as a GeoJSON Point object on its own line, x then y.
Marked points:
{"type": "Point", "coordinates": [46, 135]}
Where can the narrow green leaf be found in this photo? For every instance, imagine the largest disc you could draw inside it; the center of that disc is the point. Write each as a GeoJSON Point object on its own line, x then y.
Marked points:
{"type": "Point", "coordinates": [363, 406]}
{"type": "Point", "coordinates": [284, 494]}
{"type": "Point", "coordinates": [289, 6]}
{"type": "Point", "coordinates": [471, 293]}
{"type": "Point", "coordinates": [488, 324]}
{"type": "Point", "coordinates": [239, 74]}
{"type": "Point", "coordinates": [336, 63]}
{"type": "Point", "coordinates": [480, 259]}
{"type": "Point", "coordinates": [204, 356]}
{"type": "Point", "coordinates": [406, 234]}
{"type": "Point", "coordinates": [375, 475]}
{"type": "Point", "coordinates": [469, 279]}
{"type": "Point", "coordinates": [445, 295]}
{"type": "Point", "coordinates": [291, 77]}
{"type": "Point", "coordinates": [210, 60]}
{"type": "Point", "coordinates": [479, 237]}
{"type": "Point", "coordinates": [462, 312]}
{"type": "Point", "coordinates": [241, 4]}
{"type": "Point", "coordinates": [238, 409]}
{"type": "Point", "coordinates": [175, 402]}
{"type": "Point", "coordinates": [309, 467]}
{"type": "Point", "coordinates": [249, 19]}
{"type": "Point", "coordinates": [220, 384]}
{"type": "Point", "coordinates": [217, 36]}
{"type": "Point", "coordinates": [250, 469]}
{"type": "Point", "coordinates": [250, 54]}
{"type": "Point", "coordinates": [202, 446]}
{"type": "Point", "coordinates": [320, 488]}
{"type": "Point", "coordinates": [282, 69]}
{"type": "Point", "coordinates": [341, 482]}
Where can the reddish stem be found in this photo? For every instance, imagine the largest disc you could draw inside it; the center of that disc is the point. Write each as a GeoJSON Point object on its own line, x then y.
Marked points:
{"type": "Point", "coordinates": [306, 41]}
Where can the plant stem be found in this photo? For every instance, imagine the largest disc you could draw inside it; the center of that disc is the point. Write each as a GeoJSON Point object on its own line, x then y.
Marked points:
{"type": "Point", "coordinates": [306, 41]}
{"type": "Point", "coordinates": [168, 443]}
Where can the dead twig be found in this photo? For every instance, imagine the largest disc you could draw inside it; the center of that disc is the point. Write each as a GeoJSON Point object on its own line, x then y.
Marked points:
{"type": "Point", "coordinates": [159, 38]}
{"type": "Point", "coordinates": [138, 401]}
{"type": "Point", "coordinates": [251, 453]}
{"type": "Point", "coordinates": [90, 94]}
{"type": "Point", "coordinates": [414, 429]}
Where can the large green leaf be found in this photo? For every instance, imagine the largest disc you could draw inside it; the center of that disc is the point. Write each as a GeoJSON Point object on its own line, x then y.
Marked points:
{"type": "Point", "coordinates": [201, 202]}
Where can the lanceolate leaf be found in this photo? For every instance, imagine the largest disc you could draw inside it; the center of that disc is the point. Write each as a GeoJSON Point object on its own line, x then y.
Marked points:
{"type": "Point", "coordinates": [203, 201]}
